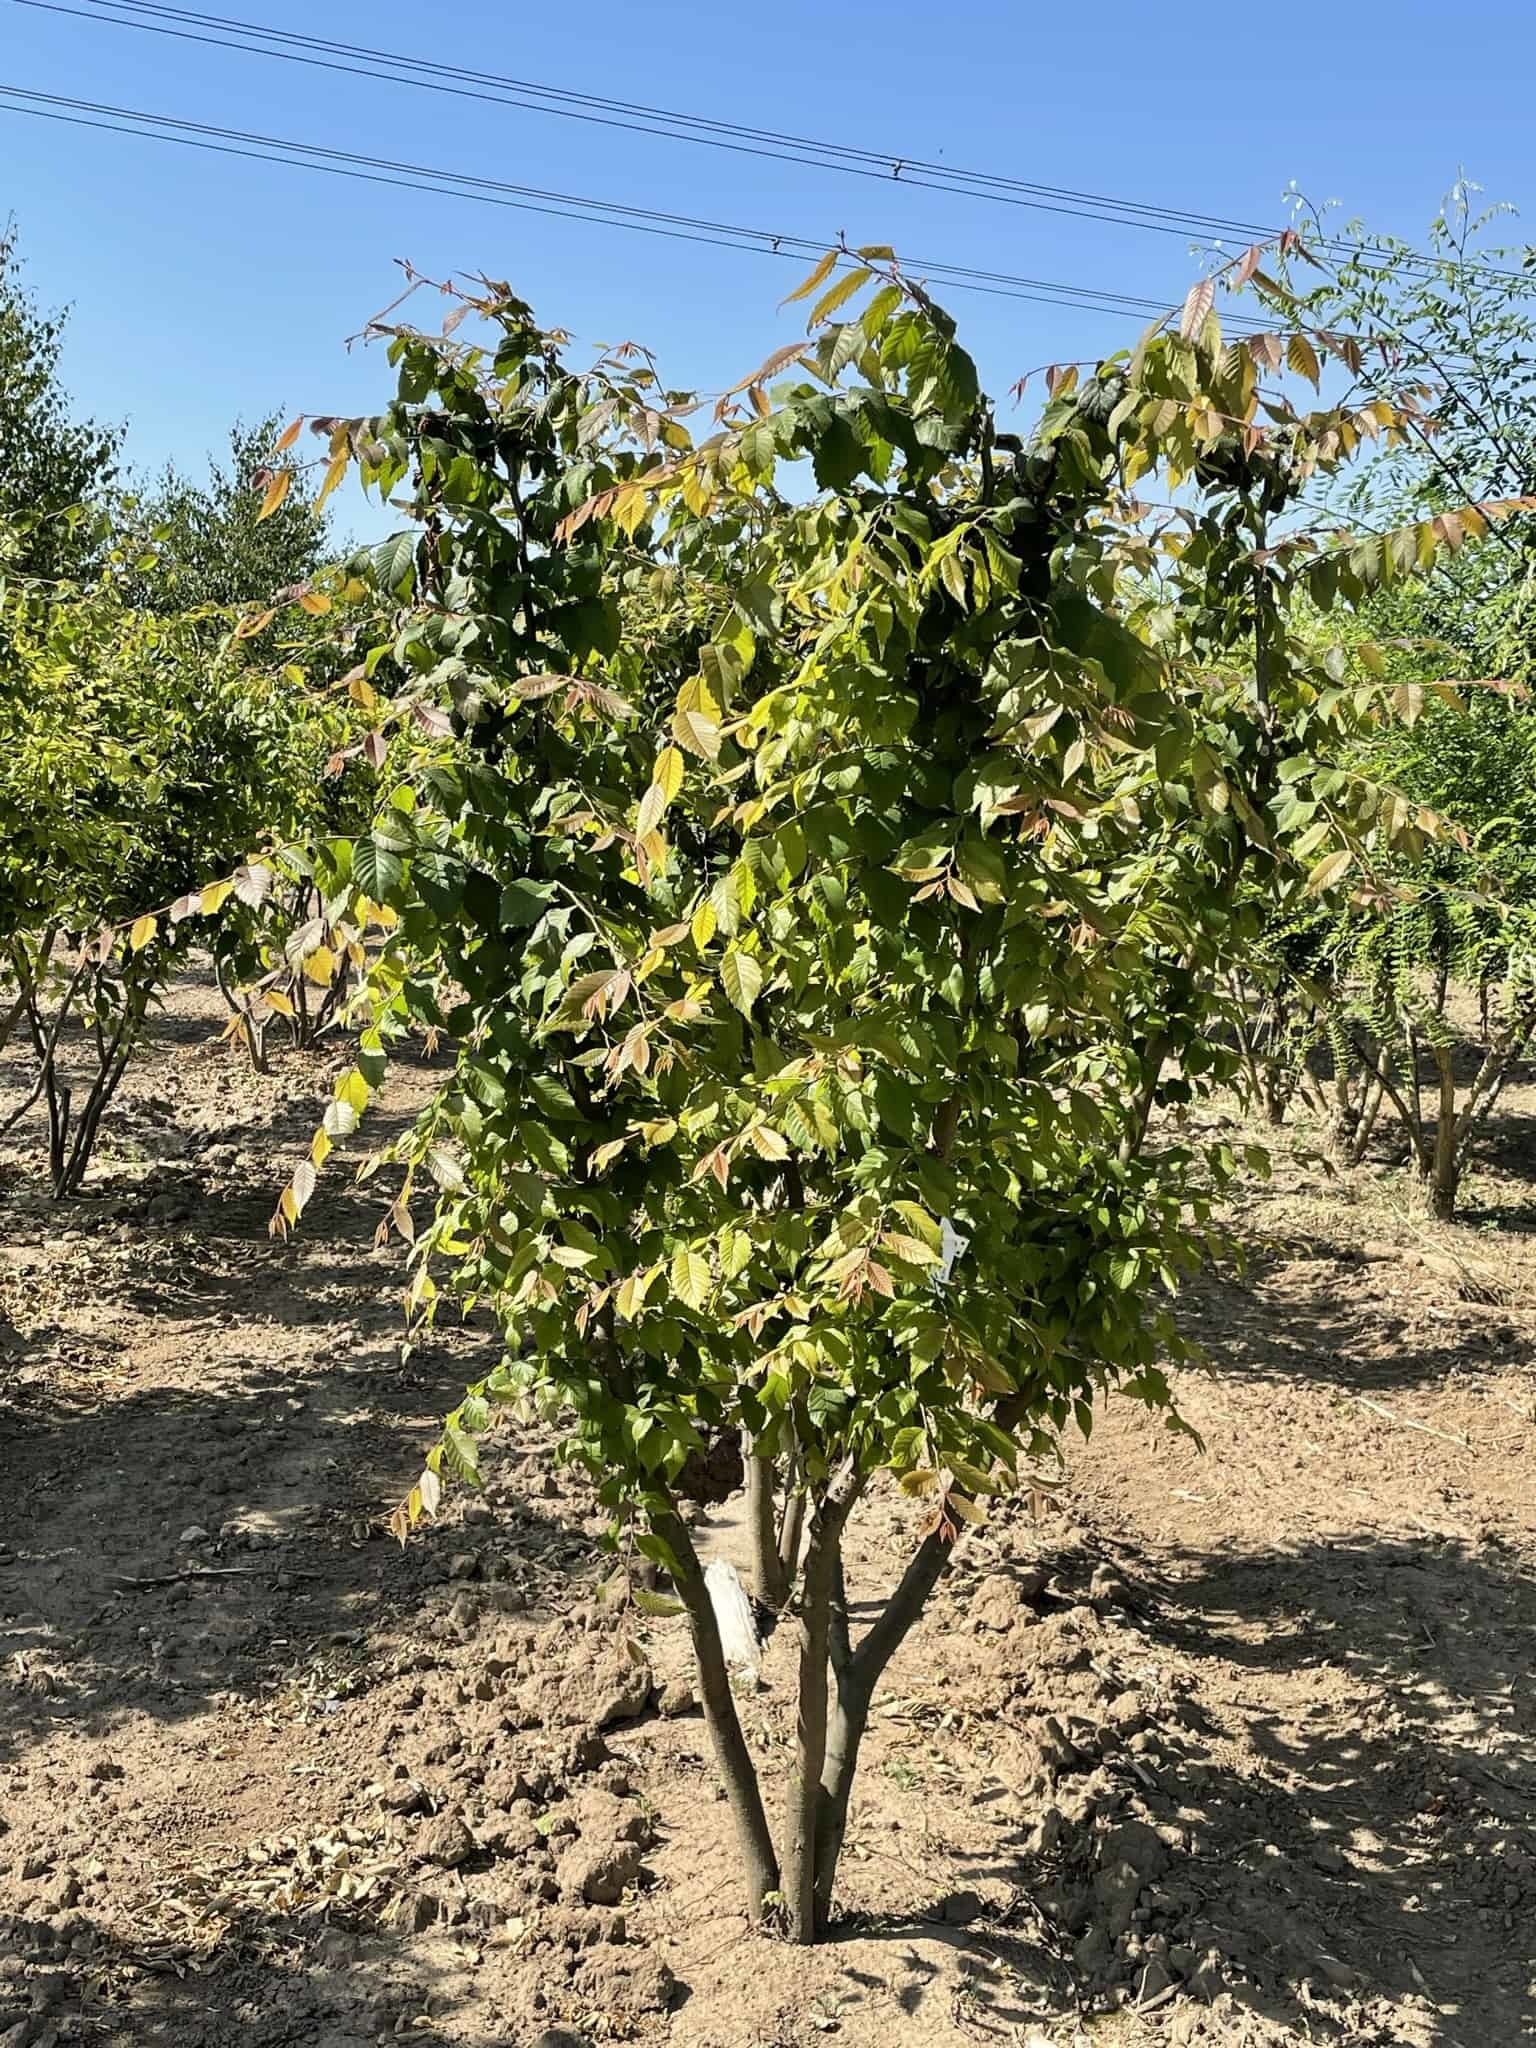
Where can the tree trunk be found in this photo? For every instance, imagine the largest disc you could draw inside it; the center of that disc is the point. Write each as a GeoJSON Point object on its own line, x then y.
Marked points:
{"type": "Point", "coordinates": [29, 979]}
{"type": "Point", "coordinates": [113, 1065]}
{"type": "Point", "coordinates": [1411, 1121]}
{"type": "Point", "coordinates": [798, 1858]}
{"type": "Point", "coordinates": [792, 1526]}
{"type": "Point", "coordinates": [1371, 1100]}
{"type": "Point", "coordinates": [1134, 1136]}
{"type": "Point", "coordinates": [12, 1017]}
{"type": "Point", "coordinates": [739, 1774]}
{"type": "Point", "coordinates": [1447, 1164]}
{"type": "Point", "coordinates": [820, 1584]}
{"type": "Point", "coordinates": [770, 1584]}
{"type": "Point", "coordinates": [1416, 1104]}
{"type": "Point", "coordinates": [857, 1678]}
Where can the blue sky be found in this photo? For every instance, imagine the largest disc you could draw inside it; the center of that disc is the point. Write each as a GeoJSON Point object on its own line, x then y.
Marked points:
{"type": "Point", "coordinates": [203, 287]}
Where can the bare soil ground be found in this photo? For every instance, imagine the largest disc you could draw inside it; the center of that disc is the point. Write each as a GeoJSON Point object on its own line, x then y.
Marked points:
{"type": "Point", "coordinates": [1232, 1747]}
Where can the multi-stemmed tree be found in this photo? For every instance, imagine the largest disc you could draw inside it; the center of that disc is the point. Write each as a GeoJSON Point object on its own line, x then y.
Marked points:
{"type": "Point", "coordinates": [820, 875]}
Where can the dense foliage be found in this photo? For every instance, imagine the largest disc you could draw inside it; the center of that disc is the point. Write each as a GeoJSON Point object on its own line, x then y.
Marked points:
{"type": "Point", "coordinates": [819, 890]}
{"type": "Point", "coordinates": [208, 540]}
{"type": "Point", "coordinates": [53, 467]}
{"type": "Point", "coordinates": [140, 752]}
{"type": "Point", "coordinates": [825, 839]}
{"type": "Point", "coordinates": [1385, 983]}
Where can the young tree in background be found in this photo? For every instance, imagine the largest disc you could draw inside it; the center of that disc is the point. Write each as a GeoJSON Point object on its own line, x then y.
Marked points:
{"type": "Point", "coordinates": [52, 465]}
{"type": "Point", "coordinates": [212, 545]}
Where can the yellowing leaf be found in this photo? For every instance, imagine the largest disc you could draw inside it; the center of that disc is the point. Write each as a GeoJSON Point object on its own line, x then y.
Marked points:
{"type": "Point", "coordinates": [669, 771]}
{"type": "Point", "coordinates": [839, 295]}
{"type": "Point", "coordinates": [353, 1090]}
{"type": "Point", "coordinates": [1302, 358]}
{"type": "Point", "coordinates": [289, 435]}
{"type": "Point", "coordinates": [320, 966]}
{"type": "Point", "coordinates": [315, 602]}
{"type": "Point", "coordinates": [910, 1250]}
{"type": "Point", "coordinates": [144, 929]}
{"type": "Point", "coordinates": [333, 476]}
{"type": "Point", "coordinates": [276, 1000]}
{"type": "Point", "coordinates": [699, 733]}
{"type": "Point", "coordinates": [276, 491]}
{"type": "Point", "coordinates": [652, 805]}
{"type": "Point", "coordinates": [704, 924]}
{"type": "Point", "coordinates": [1330, 869]}
{"type": "Point", "coordinates": [816, 280]}
{"type": "Point", "coordinates": [742, 979]}
{"type": "Point", "coordinates": [919, 1482]}
{"type": "Point", "coordinates": [1201, 297]}
{"type": "Point", "coordinates": [690, 1277]}
{"type": "Point", "coordinates": [920, 1223]}
{"type": "Point", "coordinates": [215, 896]}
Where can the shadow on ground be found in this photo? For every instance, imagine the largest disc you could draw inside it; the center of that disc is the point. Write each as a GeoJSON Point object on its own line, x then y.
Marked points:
{"type": "Point", "coordinates": [1356, 1828]}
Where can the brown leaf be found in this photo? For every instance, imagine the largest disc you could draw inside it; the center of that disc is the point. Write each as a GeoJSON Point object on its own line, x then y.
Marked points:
{"type": "Point", "coordinates": [1197, 304]}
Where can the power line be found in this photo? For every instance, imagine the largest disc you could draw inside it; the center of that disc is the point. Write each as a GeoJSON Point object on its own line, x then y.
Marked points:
{"type": "Point", "coordinates": [226, 141]}
{"type": "Point", "coordinates": [361, 60]}
{"type": "Point", "coordinates": [529, 95]}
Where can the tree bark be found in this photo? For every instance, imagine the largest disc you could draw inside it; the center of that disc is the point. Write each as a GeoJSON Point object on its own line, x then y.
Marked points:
{"type": "Point", "coordinates": [767, 1570]}
{"type": "Point", "coordinates": [1410, 1122]}
{"type": "Point", "coordinates": [792, 1524]}
{"type": "Point", "coordinates": [1134, 1136]}
{"type": "Point", "coordinates": [1370, 1109]}
{"type": "Point", "coordinates": [47, 1046]}
{"type": "Point", "coordinates": [820, 1582]}
{"type": "Point", "coordinates": [1416, 1103]}
{"type": "Point", "coordinates": [1447, 1169]}
{"type": "Point", "coordinates": [737, 1770]}
{"type": "Point", "coordinates": [113, 1064]}
{"type": "Point", "coordinates": [856, 1682]}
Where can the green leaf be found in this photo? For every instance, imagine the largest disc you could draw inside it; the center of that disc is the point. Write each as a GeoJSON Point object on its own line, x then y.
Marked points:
{"type": "Point", "coordinates": [394, 564]}
{"type": "Point", "coordinates": [377, 869]}
{"type": "Point", "coordinates": [524, 903]}
{"type": "Point", "coordinates": [657, 1604]}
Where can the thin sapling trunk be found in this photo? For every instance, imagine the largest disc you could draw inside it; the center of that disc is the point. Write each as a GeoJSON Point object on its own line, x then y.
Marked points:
{"type": "Point", "coordinates": [771, 1583]}
{"type": "Point", "coordinates": [737, 1770]}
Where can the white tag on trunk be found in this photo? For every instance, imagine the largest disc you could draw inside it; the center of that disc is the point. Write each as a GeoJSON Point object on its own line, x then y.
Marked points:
{"type": "Point", "coordinates": [734, 1618]}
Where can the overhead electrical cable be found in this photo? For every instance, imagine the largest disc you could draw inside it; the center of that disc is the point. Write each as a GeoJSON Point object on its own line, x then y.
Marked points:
{"type": "Point", "coordinates": [530, 95]}
{"type": "Point", "coordinates": [299, 155]}
{"type": "Point", "coordinates": [360, 60]}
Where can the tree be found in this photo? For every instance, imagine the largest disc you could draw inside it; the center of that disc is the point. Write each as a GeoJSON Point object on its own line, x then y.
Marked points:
{"type": "Point", "coordinates": [1385, 971]}
{"type": "Point", "coordinates": [1455, 317]}
{"type": "Point", "coordinates": [142, 757]}
{"type": "Point", "coordinates": [211, 543]}
{"type": "Point", "coordinates": [786, 871]}
{"type": "Point", "coordinates": [53, 467]}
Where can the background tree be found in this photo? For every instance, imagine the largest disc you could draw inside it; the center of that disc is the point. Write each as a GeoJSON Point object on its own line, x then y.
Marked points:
{"type": "Point", "coordinates": [53, 467]}
{"type": "Point", "coordinates": [1454, 317]}
{"type": "Point", "coordinates": [211, 544]}
{"type": "Point", "coordinates": [142, 757]}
